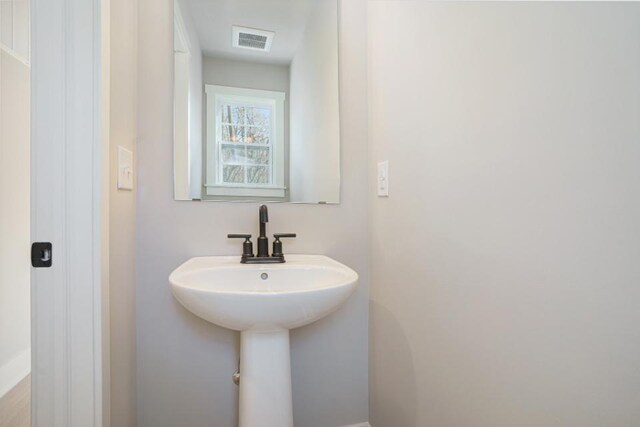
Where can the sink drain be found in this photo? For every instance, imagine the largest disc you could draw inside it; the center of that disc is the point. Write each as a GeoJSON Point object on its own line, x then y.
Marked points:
{"type": "Point", "coordinates": [264, 276]}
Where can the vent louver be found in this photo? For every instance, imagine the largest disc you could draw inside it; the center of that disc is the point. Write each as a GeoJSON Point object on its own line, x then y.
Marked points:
{"type": "Point", "coordinates": [251, 38]}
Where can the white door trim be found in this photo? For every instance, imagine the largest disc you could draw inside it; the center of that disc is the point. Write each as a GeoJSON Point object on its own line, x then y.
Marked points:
{"type": "Point", "coordinates": [67, 347]}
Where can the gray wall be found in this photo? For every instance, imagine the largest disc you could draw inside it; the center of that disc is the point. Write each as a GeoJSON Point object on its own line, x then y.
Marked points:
{"type": "Point", "coordinates": [505, 273]}
{"type": "Point", "coordinates": [196, 104]}
{"type": "Point", "coordinates": [251, 75]}
{"type": "Point", "coordinates": [122, 212]}
{"type": "Point", "coordinates": [184, 363]}
{"type": "Point", "coordinates": [315, 110]}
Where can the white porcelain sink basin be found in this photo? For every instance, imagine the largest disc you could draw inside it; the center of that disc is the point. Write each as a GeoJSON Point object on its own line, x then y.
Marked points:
{"type": "Point", "coordinates": [262, 296]}
{"type": "Point", "coordinates": [263, 301]}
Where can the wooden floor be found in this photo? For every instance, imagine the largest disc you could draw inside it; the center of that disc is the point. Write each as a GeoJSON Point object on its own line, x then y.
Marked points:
{"type": "Point", "coordinates": [15, 406]}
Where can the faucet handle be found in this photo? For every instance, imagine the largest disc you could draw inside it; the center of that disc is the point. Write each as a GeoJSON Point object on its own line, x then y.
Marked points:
{"type": "Point", "coordinates": [238, 236]}
{"type": "Point", "coordinates": [247, 245]}
{"type": "Point", "coordinates": [277, 244]}
{"type": "Point", "coordinates": [282, 235]}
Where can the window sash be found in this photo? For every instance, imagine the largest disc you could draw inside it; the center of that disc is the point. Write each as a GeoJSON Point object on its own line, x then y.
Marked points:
{"type": "Point", "coordinates": [221, 103]}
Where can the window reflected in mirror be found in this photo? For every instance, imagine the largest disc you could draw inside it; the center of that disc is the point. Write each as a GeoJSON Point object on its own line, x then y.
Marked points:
{"type": "Point", "coordinates": [245, 143]}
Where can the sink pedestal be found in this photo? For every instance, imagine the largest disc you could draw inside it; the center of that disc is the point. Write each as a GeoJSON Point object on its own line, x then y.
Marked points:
{"type": "Point", "coordinates": [265, 379]}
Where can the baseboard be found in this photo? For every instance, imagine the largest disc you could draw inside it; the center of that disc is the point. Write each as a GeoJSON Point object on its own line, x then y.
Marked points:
{"type": "Point", "coordinates": [12, 372]}
{"type": "Point", "coordinates": [359, 425]}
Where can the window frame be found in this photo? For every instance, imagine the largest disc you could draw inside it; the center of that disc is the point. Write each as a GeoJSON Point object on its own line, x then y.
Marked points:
{"type": "Point", "coordinates": [213, 186]}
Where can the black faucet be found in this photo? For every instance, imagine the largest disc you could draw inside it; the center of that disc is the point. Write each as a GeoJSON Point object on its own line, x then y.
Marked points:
{"type": "Point", "coordinates": [263, 243]}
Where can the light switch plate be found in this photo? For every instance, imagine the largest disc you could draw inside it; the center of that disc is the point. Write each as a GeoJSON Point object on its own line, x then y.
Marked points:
{"type": "Point", "coordinates": [383, 179]}
{"type": "Point", "coordinates": [125, 169]}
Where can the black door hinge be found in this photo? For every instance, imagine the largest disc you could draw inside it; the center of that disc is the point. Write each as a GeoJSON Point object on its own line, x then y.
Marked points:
{"type": "Point", "coordinates": [41, 254]}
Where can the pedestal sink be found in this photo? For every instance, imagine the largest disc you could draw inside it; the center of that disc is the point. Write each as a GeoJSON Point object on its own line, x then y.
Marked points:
{"type": "Point", "coordinates": [263, 302]}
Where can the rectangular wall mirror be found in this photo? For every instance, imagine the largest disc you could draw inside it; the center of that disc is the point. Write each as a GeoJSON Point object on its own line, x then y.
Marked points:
{"type": "Point", "coordinates": [256, 102]}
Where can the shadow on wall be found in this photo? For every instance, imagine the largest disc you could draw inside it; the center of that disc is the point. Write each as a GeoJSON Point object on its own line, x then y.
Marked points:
{"type": "Point", "coordinates": [217, 373]}
{"type": "Point", "coordinates": [400, 407]}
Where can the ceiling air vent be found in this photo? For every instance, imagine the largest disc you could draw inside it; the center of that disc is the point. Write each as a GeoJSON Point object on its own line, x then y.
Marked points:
{"type": "Point", "coordinates": [251, 38]}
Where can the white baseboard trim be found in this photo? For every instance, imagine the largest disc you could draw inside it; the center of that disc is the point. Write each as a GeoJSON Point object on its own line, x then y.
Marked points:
{"type": "Point", "coordinates": [12, 372]}
{"type": "Point", "coordinates": [359, 425]}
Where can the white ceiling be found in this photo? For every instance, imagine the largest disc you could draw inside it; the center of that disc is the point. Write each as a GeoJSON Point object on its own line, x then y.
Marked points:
{"type": "Point", "coordinates": [287, 18]}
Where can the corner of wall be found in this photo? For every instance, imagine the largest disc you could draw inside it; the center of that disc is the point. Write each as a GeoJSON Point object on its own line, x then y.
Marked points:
{"type": "Point", "coordinates": [105, 54]}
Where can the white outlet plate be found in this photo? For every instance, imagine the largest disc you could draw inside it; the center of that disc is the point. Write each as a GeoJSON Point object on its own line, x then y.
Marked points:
{"type": "Point", "coordinates": [383, 179]}
{"type": "Point", "coordinates": [125, 169]}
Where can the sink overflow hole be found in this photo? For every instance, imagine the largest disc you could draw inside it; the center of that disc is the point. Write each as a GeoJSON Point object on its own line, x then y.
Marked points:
{"type": "Point", "coordinates": [264, 276]}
